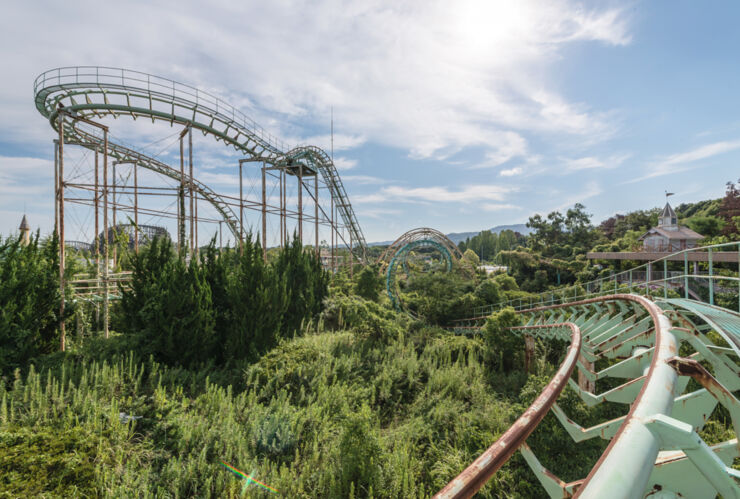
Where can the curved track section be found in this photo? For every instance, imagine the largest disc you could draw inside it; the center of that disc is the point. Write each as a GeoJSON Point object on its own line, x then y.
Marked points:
{"type": "Point", "coordinates": [482, 469]}
{"type": "Point", "coordinates": [397, 253]}
{"type": "Point", "coordinates": [422, 233]}
{"type": "Point", "coordinates": [655, 448]}
{"type": "Point", "coordinates": [93, 92]}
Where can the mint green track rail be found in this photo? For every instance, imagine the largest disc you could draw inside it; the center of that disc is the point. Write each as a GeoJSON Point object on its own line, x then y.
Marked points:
{"type": "Point", "coordinates": [653, 347]}
{"type": "Point", "coordinates": [93, 92]}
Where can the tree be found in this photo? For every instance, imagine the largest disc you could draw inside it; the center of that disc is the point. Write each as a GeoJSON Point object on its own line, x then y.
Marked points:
{"type": "Point", "coordinates": [471, 257]}
{"type": "Point", "coordinates": [169, 307]}
{"type": "Point", "coordinates": [369, 283]}
{"type": "Point", "coordinates": [729, 208]}
{"type": "Point", "coordinates": [706, 226]}
{"type": "Point", "coordinates": [488, 292]}
{"type": "Point", "coordinates": [504, 349]}
{"type": "Point", "coordinates": [29, 300]}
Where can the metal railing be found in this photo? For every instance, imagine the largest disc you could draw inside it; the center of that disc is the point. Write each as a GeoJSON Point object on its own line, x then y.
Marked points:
{"type": "Point", "coordinates": [105, 76]}
{"type": "Point", "coordinates": [645, 279]}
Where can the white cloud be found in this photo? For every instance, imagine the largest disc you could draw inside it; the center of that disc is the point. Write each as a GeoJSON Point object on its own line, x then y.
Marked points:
{"type": "Point", "coordinates": [588, 191]}
{"type": "Point", "coordinates": [467, 194]}
{"type": "Point", "coordinates": [430, 77]}
{"type": "Point", "coordinates": [499, 207]}
{"type": "Point", "coordinates": [679, 162]}
{"type": "Point", "coordinates": [343, 164]}
{"type": "Point", "coordinates": [378, 213]}
{"type": "Point", "coordinates": [363, 179]}
{"type": "Point", "coordinates": [593, 162]}
{"type": "Point", "coordinates": [511, 172]}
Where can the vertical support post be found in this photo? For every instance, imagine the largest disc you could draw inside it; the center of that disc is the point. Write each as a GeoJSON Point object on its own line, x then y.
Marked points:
{"type": "Point", "coordinates": [56, 186]}
{"type": "Point", "coordinates": [665, 279]}
{"type": "Point", "coordinates": [281, 175]}
{"type": "Point", "coordinates": [300, 202]}
{"type": "Point", "coordinates": [351, 263]}
{"type": "Point", "coordinates": [105, 229]}
{"type": "Point", "coordinates": [686, 275]}
{"type": "Point", "coordinates": [241, 208]}
{"type": "Point", "coordinates": [528, 352]}
{"type": "Point", "coordinates": [96, 203]}
{"type": "Point", "coordinates": [264, 216]}
{"type": "Point", "coordinates": [197, 245]}
{"type": "Point", "coordinates": [96, 243]}
{"type": "Point", "coordinates": [630, 274]}
{"type": "Point", "coordinates": [136, 209]}
{"type": "Point", "coordinates": [647, 278]}
{"type": "Point", "coordinates": [583, 382]}
{"type": "Point", "coordinates": [316, 212]}
{"type": "Point", "coordinates": [332, 233]}
{"type": "Point", "coordinates": [115, 232]}
{"type": "Point", "coordinates": [711, 274]}
{"type": "Point", "coordinates": [190, 183]}
{"type": "Point", "coordinates": [180, 200]}
{"type": "Point", "coordinates": [60, 197]}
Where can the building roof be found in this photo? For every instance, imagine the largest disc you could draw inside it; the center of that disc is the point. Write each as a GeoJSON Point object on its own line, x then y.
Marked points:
{"type": "Point", "coordinates": [682, 233]}
{"type": "Point", "coordinates": [24, 224]}
{"type": "Point", "coordinates": [668, 212]}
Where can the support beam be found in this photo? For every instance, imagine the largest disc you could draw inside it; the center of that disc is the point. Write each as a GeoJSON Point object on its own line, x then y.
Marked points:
{"type": "Point", "coordinates": [136, 209]}
{"type": "Point", "coordinates": [300, 203]}
{"type": "Point", "coordinates": [316, 213]}
{"type": "Point", "coordinates": [56, 187]}
{"type": "Point", "coordinates": [332, 234]}
{"type": "Point", "coordinates": [106, 308]}
{"type": "Point", "coordinates": [264, 216]}
{"type": "Point", "coordinates": [241, 208]}
{"type": "Point", "coordinates": [190, 183]}
{"type": "Point", "coordinates": [115, 232]}
{"type": "Point", "coordinates": [283, 224]}
{"type": "Point", "coordinates": [60, 197]}
{"type": "Point", "coordinates": [181, 197]}
{"type": "Point", "coordinates": [96, 198]}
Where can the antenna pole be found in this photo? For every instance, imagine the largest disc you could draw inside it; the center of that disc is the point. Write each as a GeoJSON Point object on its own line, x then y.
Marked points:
{"type": "Point", "coordinates": [332, 134]}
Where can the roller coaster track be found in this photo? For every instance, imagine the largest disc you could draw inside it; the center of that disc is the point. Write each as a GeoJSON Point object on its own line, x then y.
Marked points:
{"type": "Point", "coordinates": [654, 346]}
{"type": "Point", "coordinates": [398, 252]}
{"type": "Point", "coordinates": [93, 92]}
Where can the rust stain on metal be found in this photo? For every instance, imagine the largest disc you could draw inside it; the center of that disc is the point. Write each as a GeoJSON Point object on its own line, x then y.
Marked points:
{"type": "Point", "coordinates": [467, 483]}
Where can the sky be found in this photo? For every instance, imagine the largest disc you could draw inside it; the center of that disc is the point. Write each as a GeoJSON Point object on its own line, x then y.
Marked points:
{"type": "Point", "coordinates": [454, 115]}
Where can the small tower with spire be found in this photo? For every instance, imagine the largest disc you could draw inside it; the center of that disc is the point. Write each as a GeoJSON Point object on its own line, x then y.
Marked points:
{"type": "Point", "coordinates": [668, 219]}
{"type": "Point", "coordinates": [25, 231]}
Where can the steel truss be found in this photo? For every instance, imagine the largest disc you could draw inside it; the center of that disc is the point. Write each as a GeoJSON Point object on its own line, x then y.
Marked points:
{"type": "Point", "coordinates": [74, 99]}
{"type": "Point", "coordinates": [655, 449]}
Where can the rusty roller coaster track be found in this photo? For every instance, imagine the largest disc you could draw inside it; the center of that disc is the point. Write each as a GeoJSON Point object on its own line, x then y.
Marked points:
{"type": "Point", "coordinates": [655, 448]}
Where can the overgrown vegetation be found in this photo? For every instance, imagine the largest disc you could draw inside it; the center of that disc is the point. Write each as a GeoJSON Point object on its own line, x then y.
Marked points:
{"type": "Point", "coordinates": [29, 300]}
{"type": "Point", "coordinates": [313, 385]}
{"type": "Point", "coordinates": [220, 307]}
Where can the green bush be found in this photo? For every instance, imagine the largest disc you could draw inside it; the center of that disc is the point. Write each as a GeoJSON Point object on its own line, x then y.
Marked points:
{"type": "Point", "coordinates": [222, 307]}
{"type": "Point", "coordinates": [505, 350]}
{"type": "Point", "coordinates": [29, 300]}
{"type": "Point", "coordinates": [369, 284]}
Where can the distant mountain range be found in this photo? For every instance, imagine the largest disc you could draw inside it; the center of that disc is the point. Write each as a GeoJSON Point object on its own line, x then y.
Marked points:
{"type": "Point", "coordinates": [456, 237]}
